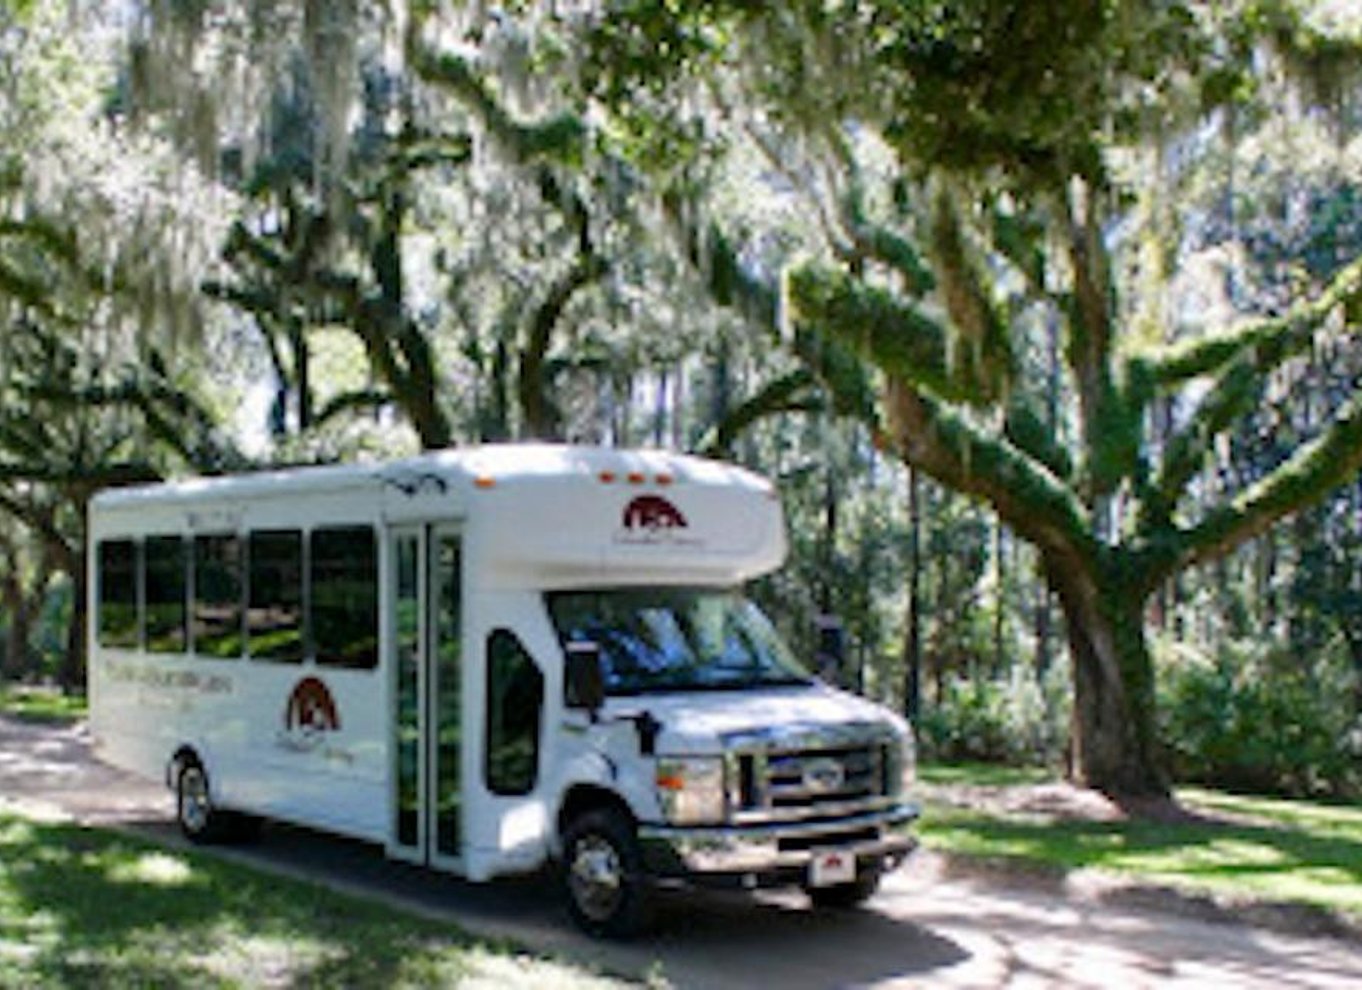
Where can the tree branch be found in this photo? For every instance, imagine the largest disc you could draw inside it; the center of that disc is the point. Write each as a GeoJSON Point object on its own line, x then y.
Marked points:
{"type": "Point", "coordinates": [1265, 343]}
{"type": "Point", "coordinates": [560, 138]}
{"type": "Point", "coordinates": [1234, 395]}
{"type": "Point", "coordinates": [788, 393]}
{"type": "Point", "coordinates": [894, 336]}
{"type": "Point", "coordinates": [1031, 500]}
{"type": "Point", "coordinates": [1309, 475]}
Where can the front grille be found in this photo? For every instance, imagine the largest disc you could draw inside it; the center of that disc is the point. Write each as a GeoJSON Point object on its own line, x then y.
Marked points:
{"type": "Point", "coordinates": [794, 780]}
{"type": "Point", "coordinates": [798, 784]}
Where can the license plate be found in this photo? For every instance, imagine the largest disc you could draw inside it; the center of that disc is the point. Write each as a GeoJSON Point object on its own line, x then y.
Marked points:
{"type": "Point", "coordinates": [830, 867]}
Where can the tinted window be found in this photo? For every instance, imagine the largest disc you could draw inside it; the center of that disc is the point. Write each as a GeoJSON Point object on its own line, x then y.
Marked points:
{"type": "Point", "coordinates": [217, 596]}
{"type": "Point", "coordinates": [166, 588]}
{"type": "Point", "coordinates": [515, 697]}
{"type": "Point", "coordinates": [117, 565]}
{"type": "Point", "coordinates": [274, 616]}
{"type": "Point", "coordinates": [344, 596]}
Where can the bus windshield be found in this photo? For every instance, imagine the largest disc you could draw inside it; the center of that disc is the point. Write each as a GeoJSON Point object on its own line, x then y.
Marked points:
{"type": "Point", "coordinates": [655, 640]}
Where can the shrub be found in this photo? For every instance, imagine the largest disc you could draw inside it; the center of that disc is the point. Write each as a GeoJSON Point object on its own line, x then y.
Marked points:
{"type": "Point", "coordinates": [1014, 720]}
{"type": "Point", "coordinates": [1256, 717]}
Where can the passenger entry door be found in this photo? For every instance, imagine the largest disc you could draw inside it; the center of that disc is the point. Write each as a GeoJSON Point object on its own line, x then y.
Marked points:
{"type": "Point", "coordinates": [425, 607]}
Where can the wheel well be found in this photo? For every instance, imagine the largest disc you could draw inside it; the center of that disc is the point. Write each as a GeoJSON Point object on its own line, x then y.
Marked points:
{"type": "Point", "coordinates": [587, 797]}
{"type": "Point", "coordinates": [184, 756]}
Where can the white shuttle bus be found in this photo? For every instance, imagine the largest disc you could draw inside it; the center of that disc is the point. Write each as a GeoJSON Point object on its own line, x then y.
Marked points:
{"type": "Point", "coordinates": [486, 661]}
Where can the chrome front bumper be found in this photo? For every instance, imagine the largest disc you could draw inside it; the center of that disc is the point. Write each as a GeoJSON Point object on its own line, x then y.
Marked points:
{"type": "Point", "coordinates": [760, 854]}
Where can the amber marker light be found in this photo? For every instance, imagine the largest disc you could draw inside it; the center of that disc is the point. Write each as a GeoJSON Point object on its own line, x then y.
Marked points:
{"type": "Point", "coordinates": [637, 477]}
{"type": "Point", "coordinates": [607, 477]}
{"type": "Point", "coordinates": [671, 782]}
{"type": "Point", "coordinates": [484, 482]}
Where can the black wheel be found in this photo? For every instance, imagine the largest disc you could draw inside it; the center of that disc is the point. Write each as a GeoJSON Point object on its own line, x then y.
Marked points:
{"type": "Point", "coordinates": [607, 891]}
{"type": "Point", "coordinates": [847, 895]}
{"type": "Point", "coordinates": [199, 820]}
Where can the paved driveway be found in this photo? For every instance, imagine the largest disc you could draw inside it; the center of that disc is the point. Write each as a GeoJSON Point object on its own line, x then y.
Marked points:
{"type": "Point", "coordinates": [923, 929]}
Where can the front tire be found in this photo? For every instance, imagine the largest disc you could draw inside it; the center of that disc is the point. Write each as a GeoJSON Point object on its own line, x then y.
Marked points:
{"type": "Point", "coordinates": [607, 891]}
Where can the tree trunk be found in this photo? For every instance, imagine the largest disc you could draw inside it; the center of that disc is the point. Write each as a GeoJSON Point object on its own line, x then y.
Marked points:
{"type": "Point", "coordinates": [72, 674]}
{"type": "Point", "coordinates": [16, 644]}
{"type": "Point", "coordinates": [72, 557]}
{"type": "Point", "coordinates": [1042, 627]}
{"type": "Point", "coordinates": [912, 642]}
{"type": "Point", "coordinates": [999, 598]}
{"type": "Point", "coordinates": [1114, 733]}
{"type": "Point", "coordinates": [302, 374]}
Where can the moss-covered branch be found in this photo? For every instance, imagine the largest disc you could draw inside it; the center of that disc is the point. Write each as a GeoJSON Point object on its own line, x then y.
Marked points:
{"type": "Point", "coordinates": [980, 345]}
{"type": "Point", "coordinates": [1030, 433]}
{"type": "Point", "coordinates": [347, 401]}
{"type": "Point", "coordinates": [794, 392]}
{"type": "Point", "coordinates": [1264, 343]}
{"type": "Point", "coordinates": [954, 451]}
{"type": "Point", "coordinates": [561, 138]}
{"type": "Point", "coordinates": [893, 335]}
{"type": "Point", "coordinates": [172, 417]}
{"type": "Point", "coordinates": [1309, 475]}
{"type": "Point", "coordinates": [712, 255]}
{"type": "Point", "coordinates": [1234, 395]}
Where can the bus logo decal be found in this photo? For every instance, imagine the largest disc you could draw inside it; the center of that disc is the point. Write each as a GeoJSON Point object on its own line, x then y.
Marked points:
{"type": "Point", "coordinates": [310, 714]}
{"type": "Point", "coordinates": [652, 513]}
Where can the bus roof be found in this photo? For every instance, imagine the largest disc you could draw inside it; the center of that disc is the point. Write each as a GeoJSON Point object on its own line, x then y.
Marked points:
{"type": "Point", "coordinates": [495, 464]}
{"type": "Point", "coordinates": [534, 513]}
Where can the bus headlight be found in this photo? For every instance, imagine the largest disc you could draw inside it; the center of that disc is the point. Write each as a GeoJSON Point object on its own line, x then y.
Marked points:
{"type": "Point", "coordinates": [691, 789]}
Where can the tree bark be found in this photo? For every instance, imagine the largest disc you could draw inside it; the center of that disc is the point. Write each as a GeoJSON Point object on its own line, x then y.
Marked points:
{"type": "Point", "coordinates": [1114, 732]}
{"type": "Point", "coordinates": [72, 673]}
{"type": "Point", "coordinates": [16, 642]}
{"type": "Point", "coordinates": [912, 642]}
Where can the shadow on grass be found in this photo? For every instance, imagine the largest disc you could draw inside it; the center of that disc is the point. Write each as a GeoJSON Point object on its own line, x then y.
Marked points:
{"type": "Point", "coordinates": [88, 908]}
{"type": "Point", "coordinates": [1278, 868]}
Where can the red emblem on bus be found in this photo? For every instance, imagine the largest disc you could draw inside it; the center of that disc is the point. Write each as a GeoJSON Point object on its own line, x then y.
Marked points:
{"type": "Point", "coordinates": [653, 513]}
{"type": "Point", "coordinates": [311, 709]}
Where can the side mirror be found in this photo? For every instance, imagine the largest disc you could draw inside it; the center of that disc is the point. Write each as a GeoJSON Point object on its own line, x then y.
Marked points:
{"type": "Point", "coordinates": [585, 678]}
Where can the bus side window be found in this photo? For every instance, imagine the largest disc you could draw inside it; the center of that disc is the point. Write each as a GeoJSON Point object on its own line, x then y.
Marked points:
{"type": "Point", "coordinates": [166, 587]}
{"type": "Point", "coordinates": [118, 619]}
{"type": "Point", "coordinates": [217, 627]}
{"type": "Point", "coordinates": [343, 596]}
{"type": "Point", "coordinates": [274, 613]}
{"type": "Point", "coordinates": [515, 700]}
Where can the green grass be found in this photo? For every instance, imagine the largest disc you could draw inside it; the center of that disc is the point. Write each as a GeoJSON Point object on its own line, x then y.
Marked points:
{"type": "Point", "coordinates": [41, 705]}
{"type": "Point", "coordinates": [981, 774]}
{"type": "Point", "coordinates": [1265, 849]}
{"type": "Point", "coordinates": [82, 907]}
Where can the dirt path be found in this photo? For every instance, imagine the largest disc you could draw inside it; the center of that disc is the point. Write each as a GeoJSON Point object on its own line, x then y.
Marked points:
{"type": "Point", "coordinates": [926, 928]}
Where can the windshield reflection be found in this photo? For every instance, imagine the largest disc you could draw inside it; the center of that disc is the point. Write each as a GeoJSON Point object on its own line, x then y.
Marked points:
{"type": "Point", "coordinates": [676, 639]}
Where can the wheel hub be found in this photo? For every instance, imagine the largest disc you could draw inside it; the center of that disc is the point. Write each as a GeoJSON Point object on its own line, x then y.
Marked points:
{"type": "Point", "coordinates": [194, 801]}
{"type": "Point", "coordinates": [596, 877]}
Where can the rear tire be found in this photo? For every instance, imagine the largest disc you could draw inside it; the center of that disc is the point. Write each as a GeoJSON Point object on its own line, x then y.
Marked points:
{"type": "Point", "coordinates": [845, 896]}
{"type": "Point", "coordinates": [608, 893]}
{"type": "Point", "coordinates": [199, 820]}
